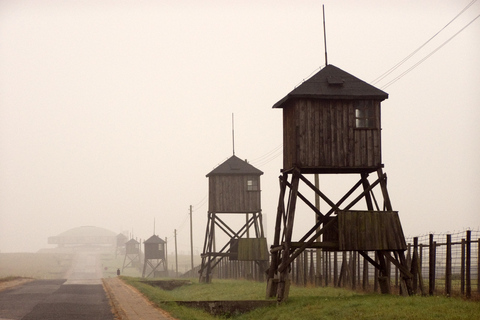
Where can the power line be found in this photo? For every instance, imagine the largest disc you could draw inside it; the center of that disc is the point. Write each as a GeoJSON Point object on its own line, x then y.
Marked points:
{"type": "Point", "coordinates": [428, 56]}
{"type": "Point", "coordinates": [389, 71]}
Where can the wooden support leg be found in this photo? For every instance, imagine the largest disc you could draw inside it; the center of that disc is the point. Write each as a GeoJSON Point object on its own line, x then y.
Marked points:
{"type": "Point", "coordinates": [272, 280]}
{"type": "Point", "coordinates": [383, 280]}
{"type": "Point", "coordinates": [284, 282]}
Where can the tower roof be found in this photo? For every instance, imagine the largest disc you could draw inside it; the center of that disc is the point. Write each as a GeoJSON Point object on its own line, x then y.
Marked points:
{"type": "Point", "coordinates": [132, 241]}
{"type": "Point", "coordinates": [235, 166]}
{"type": "Point", "coordinates": [154, 239]}
{"type": "Point", "coordinates": [333, 83]}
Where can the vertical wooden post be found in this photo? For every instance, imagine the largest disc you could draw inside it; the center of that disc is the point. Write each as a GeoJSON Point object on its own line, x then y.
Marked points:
{"type": "Point", "coordinates": [305, 268]}
{"type": "Point", "coordinates": [312, 269]}
{"type": "Point", "coordinates": [462, 269]}
{"type": "Point", "coordinates": [431, 266]}
{"type": "Point", "coordinates": [176, 256]}
{"type": "Point", "coordinates": [354, 268]}
{"type": "Point", "coordinates": [272, 281]}
{"type": "Point", "coordinates": [326, 268]}
{"type": "Point", "coordinates": [414, 264]}
{"type": "Point", "coordinates": [448, 267]}
{"type": "Point", "coordinates": [365, 274]}
{"type": "Point", "coordinates": [191, 238]}
{"type": "Point", "coordinates": [335, 268]}
{"type": "Point", "coordinates": [478, 266]}
{"type": "Point", "coordinates": [420, 259]}
{"type": "Point", "coordinates": [358, 268]}
{"type": "Point", "coordinates": [468, 264]}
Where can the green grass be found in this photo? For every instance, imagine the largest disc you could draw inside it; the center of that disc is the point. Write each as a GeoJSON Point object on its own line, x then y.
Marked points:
{"type": "Point", "coordinates": [309, 303]}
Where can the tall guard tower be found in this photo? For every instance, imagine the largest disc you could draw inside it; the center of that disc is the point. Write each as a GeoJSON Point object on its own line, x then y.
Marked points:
{"type": "Point", "coordinates": [234, 189]}
{"type": "Point", "coordinates": [331, 126]}
{"type": "Point", "coordinates": [155, 257]}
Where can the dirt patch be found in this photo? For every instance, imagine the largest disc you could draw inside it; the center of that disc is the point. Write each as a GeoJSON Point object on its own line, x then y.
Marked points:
{"type": "Point", "coordinates": [228, 308]}
{"type": "Point", "coordinates": [4, 285]}
{"type": "Point", "coordinates": [167, 284]}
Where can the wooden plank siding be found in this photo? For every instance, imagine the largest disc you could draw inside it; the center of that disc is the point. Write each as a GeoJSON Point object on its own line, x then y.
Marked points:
{"type": "Point", "coordinates": [321, 134]}
{"type": "Point", "coordinates": [229, 194]}
{"type": "Point", "coordinates": [370, 230]}
{"type": "Point", "coordinates": [249, 249]}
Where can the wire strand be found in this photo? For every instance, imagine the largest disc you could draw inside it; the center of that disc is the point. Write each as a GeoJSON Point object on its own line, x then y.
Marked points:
{"type": "Point", "coordinates": [428, 56]}
{"type": "Point", "coordinates": [389, 71]}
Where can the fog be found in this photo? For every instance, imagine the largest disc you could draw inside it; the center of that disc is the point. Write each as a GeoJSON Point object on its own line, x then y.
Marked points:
{"type": "Point", "coordinates": [112, 112]}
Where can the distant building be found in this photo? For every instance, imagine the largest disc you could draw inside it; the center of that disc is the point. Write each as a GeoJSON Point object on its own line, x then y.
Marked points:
{"type": "Point", "coordinates": [85, 236]}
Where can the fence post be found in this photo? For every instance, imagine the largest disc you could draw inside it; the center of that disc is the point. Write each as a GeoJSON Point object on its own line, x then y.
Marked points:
{"type": "Point", "coordinates": [365, 274]}
{"type": "Point", "coordinates": [335, 268]}
{"type": "Point", "coordinates": [420, 259]}
{"type": "Point", "coordinates": [305, 268]}
{"type": "Point", "coordinates": [312, 269]}
{"type": "Point", "coordinates": [414, 265]}
{"type": "Point", "coordinates": [326, 267]}
{"type": "Point", "coordinates": [462, 269]}
{"type": "Point", "coordinates": [478, 266]}
{"type": "Point", "coordinates": [375, 277]}
{"type": "Point", "coordinates": [448, 267]}
{"type": "Point", "coordinates": [467, 266]}
{"type": "Point", "coordinates": [358, 268]}
{"type": "Point", "coordinates": [431, 269]}
{"type": "Point", "coordinates": [353, 262]}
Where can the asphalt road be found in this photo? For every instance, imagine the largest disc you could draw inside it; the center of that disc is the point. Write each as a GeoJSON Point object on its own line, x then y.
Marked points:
{"type": "Point", "coordinates": [79, 297]}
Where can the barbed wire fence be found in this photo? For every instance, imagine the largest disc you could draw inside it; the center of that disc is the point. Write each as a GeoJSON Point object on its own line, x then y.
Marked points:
{"type": "Point", "coordinates": [448, 264]}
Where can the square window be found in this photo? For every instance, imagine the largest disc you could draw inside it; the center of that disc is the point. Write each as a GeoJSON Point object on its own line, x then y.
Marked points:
{"type": "Point", "coordinates": [252, 185]}
{"type": "Point", "coordinates": [364, 115]}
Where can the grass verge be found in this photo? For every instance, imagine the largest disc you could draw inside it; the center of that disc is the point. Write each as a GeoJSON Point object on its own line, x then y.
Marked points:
{"type": "Point", "coordinates": [308, 303]}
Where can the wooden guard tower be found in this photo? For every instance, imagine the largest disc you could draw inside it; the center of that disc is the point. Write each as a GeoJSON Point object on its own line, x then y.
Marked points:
{"type": "Point", "coordinates": [234, 188]}
{"type": "Point", "coordinates": [132, 254]}
{"type": "Point", "coordinates": [331, 125]}
{"type": "Point", "coordinates": [154, 257]}
{"type": "Point", "coordinates": [120, 244]}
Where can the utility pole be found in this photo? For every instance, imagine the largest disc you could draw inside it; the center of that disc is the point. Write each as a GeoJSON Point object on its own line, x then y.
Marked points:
{"type": "Point", "coordinates": [318, 274]}
{"type": "Point", "coordinates": [166, 256]}
{"type": "Point", "coordinates": [191, 237]}
{"type": "Point", "coordinates": [176, 257]}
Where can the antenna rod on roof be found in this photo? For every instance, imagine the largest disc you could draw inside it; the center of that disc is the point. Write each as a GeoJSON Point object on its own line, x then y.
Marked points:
{"type": "Point", "coordinates": [233, 135]}
{"type": "Point", "coordinates": [153, 225]}
{"type": "Point", "coordinates": [324, 35]}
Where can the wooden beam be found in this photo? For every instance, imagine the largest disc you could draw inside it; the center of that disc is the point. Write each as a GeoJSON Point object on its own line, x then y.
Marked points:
{"type": "Point", "coordinates": [316, 245]}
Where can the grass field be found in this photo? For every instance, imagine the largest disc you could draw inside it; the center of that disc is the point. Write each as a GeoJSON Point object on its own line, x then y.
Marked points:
{"type": "Point", "coordinates": [309, 303]}
{"type": "Point", "coordinates": [35, 265]}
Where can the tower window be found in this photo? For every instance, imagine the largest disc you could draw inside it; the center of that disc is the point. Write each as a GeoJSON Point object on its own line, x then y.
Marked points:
{"type": "Point", "coordinates": [365, 115]}
{"type": "Point", "coordinates": [252, 185]}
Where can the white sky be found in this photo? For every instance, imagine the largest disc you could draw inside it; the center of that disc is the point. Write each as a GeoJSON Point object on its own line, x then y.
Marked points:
{"type": "Point", "coordinates": [112, 112]}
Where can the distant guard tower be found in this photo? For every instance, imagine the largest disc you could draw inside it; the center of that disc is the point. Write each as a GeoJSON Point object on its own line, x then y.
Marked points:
{"type": "Point", "coordinates": [121, 240]}
{"type": "Point", "coordinates": [234, 188]}
{"type": "Point", "coordinates": [132, 254]}
{"type": "Point", "coordinates": [154, 257]}
{"type": "Point", "coordinates": [331, 125]}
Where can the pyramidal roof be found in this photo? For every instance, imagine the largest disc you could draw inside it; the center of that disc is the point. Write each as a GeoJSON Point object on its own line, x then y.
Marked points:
{"type": "Point", "coordinates": [233, 166]}
{"type": "Point", "coordinates": [333, 83]}
{"type": "Point", "coordinates": [154, 239]}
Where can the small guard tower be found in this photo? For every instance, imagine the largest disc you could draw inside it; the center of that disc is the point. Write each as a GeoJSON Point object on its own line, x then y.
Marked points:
{"type": "Point", "coordinates": [154, 257]}
{"type": "Point", "coordinates": [120, 247]}
{"type": "Point", "coordinates": [332, 125]}
{"type": "Point", "coordinates": [132, 254]}
{"type": "Point", "coordinates": [234, 189]}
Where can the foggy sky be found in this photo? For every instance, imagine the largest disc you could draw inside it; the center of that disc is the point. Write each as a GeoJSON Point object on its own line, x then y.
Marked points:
{"type": "Point", "coordinates": [113, 112]}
